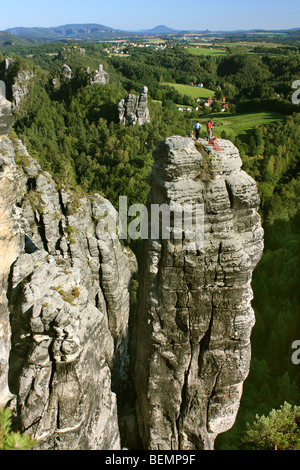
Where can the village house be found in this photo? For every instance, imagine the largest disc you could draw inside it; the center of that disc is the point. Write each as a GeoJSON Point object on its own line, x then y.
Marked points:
{"type": "Point", "coordinates": [209, 101]}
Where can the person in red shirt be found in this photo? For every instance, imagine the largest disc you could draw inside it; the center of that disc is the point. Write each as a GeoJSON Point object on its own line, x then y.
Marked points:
{"type": "Point", "coordinates": [209, 130]}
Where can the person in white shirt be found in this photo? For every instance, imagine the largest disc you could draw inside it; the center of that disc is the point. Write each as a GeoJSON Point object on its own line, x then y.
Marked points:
{"type": "Point", "coordinates": [197, 126]}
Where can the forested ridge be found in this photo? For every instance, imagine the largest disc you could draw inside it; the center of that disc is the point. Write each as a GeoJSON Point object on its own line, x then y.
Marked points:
{"type": "Point", "coordinates": [274, 379]}
{"type": "Point", "coordinates": [73, 130]}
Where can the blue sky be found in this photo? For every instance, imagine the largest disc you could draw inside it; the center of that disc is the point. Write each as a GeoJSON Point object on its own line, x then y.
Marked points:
{"type": "Point", "coordinates": [138, 14]}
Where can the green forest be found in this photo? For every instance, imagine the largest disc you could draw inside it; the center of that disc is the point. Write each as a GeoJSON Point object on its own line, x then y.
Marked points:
{"type": "Point", "coordinates": [72, 128]}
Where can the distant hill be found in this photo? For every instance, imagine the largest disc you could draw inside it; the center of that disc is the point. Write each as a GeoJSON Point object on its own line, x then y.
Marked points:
{"type": "Point", "coordinates": [160, 29]}
{"type": "Point", "coordinates": [100, 32]}
{"type": "Point", "coordinates": [70, 31]}
{"type": "Point", "coordinates": [8, 39]}
{"type": "Point", "coordinates": [86, 31]}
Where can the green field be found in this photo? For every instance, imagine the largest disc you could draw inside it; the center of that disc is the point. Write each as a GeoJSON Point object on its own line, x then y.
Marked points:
{"type": "Point", "coordinates": [193, 91]}
{"type": "Point", "coordinates": [202, 51]}
{"type": "Point", "coordinates": [239, 125]}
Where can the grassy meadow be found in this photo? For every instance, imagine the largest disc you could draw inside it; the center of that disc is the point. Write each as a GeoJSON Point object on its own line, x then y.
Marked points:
{"type": "Point", "coordinates": [192, 91]}
{"type": "Point", "coordinates": [203, 51]}
{"type": "Point", "coordinates": [239, 125]}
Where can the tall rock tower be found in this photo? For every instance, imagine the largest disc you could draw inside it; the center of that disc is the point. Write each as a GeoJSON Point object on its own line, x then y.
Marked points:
{"type": "Point", "coordinates": [134, 110]}
{"type": "Point", "coordinates": [195, 316]}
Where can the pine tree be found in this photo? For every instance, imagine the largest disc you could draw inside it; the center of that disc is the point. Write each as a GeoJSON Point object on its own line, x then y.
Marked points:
{"type": "Point", "coordinates": [13, 440]}
{"type": "Point", "coordinates": [280, 430]}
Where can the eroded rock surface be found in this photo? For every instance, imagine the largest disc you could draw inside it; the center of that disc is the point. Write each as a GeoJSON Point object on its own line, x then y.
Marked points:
{"type": "Point", "coordinates": [195, 316]}
{"type": "Point", "coordinates": [6, 118]}
{"type": "Point", "coordinates": [66, 73]}
{"type": "Point", "coordinates": [20, 87]}
{"type": "Point", "coordinates": [134, 110]}
{"type": "Point", "coordinates": [65, 307]}
{"type": "Point", "coordinates": [11, 246]}
{"type": "Point", "coordinates": [101, 77]}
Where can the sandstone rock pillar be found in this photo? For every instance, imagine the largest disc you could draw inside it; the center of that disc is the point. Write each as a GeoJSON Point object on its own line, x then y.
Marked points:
{"type": "Point", "coordinates": [195, 315]}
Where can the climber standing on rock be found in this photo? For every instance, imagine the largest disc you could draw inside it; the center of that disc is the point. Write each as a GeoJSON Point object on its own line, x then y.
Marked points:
{"type": "Point", "coordinates": [210, 129]}
{"type": "Point", "coordinates": [197, 126]}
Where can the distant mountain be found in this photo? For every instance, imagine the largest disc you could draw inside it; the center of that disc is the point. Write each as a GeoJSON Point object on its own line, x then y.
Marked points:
{"type": "Point", "coordinates": [7, 39]}
{"type": "Point", "coordinates": [160, 29]}
{"type": "Point", "coordinates": [70, 31]}
{"type": "Point", "coordinates": [86, 31]}
{"type": "Point", "coordinates": [101, 32]}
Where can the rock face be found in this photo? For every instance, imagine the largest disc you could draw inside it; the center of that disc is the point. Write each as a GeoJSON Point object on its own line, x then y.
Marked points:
{"type": "Point", "coordinates": [6, 118]}
{"type": "Point", "coordinates": [20, 87]}
{"type": "Point", "coordinates": [101, 77]}
{"type": "Point", "coordinates": [11, 246]}
{"type": "Point", "coordinates": [64, 318]}
{"type": "Point", "coordinates": [2, 91]}
{"type": "Point", "coordinates": [66, 73]}
{"type": "Point", "coordinates": [195, 316]}
{"type": "Point", "coordinates": [7, 63]}
{"type": "Point", "coordinates": [134, 110]}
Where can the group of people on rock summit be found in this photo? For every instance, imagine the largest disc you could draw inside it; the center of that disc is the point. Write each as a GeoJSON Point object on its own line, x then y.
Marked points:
{"type": "Point", "coordinates": [209, 127]}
